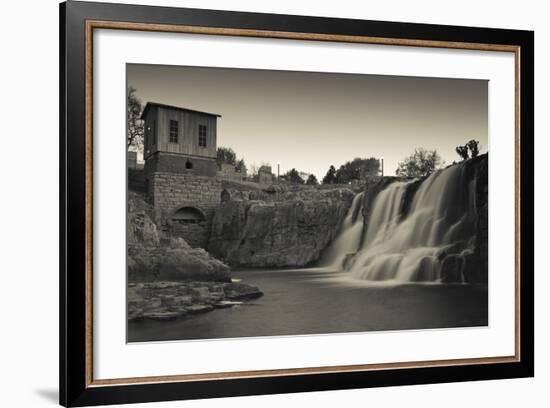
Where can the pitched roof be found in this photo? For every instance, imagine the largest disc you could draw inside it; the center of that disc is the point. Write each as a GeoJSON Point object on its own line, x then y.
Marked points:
{"type": "Point", "coordinates": [161, 105]}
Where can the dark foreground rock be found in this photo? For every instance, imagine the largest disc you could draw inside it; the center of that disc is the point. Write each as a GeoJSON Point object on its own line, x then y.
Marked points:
{"type": "Point", "coordinates": [175, 261]}
{"type": "Point", "coordinates": [155, 255]}
{"type": "Point", "coordinates": [285, 229]}
{"type": "Point", "coordinates": [169, 300]}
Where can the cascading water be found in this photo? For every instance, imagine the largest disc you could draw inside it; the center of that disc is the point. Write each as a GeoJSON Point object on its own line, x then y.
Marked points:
{"type": "Point", "coordinates": [347, 242]}
{"type": "Point", "coordinates": [428, 243]}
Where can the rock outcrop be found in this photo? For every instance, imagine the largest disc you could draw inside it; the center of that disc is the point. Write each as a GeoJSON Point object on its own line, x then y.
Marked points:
{"type": "Point", "coordinates": [168, 279]}
{"type": "Point", "coordinates": [154, 256]}
{"type": "Point", "coordinates": [476, 266]}
{"type": "Point", "coordinates": [169, 300]}
{"type": "Point", "coordinates": [283, 228]}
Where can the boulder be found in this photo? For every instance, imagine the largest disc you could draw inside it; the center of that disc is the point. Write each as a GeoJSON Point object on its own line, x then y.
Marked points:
{"type": "Point", "coordinates": [241, 291]}
{"type": "Point", "coordinates": [163, 300]}
{"type": "Point", "coordinates": [142, 230]}
{"type": "Point", "coordinates": [196, 309]}
{"type": "Point", "coordinates": [174, 264]}
{"type": "Point", "coordinates": [162, 316]}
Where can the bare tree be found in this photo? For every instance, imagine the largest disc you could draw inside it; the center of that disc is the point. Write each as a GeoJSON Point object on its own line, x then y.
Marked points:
{"type": "Point", "coordinates": [135, 129]}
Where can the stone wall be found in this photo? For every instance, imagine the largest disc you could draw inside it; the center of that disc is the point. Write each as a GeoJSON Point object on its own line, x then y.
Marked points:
{"type": "Point", "coordinates": [169, 192]}
{"type": "Point", "coordinates": [265, 176]}
{"type": "Point", "coordinates": [228, 172]}
{"type": "Point", "coordinates": [136, 180]}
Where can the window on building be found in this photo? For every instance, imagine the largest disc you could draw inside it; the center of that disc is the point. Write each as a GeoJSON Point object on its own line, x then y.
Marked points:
{"type": "Point", "coordinates": [173, 131]}
{"type": "Point", "coordinates": [202, 135]}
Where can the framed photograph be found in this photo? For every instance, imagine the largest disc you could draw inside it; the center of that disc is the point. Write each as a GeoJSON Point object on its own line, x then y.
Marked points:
{"type": "Point", "coordinates": [256, 204]}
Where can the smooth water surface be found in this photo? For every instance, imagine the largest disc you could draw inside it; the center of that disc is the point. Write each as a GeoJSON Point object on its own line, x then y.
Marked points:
{"type": "Point", "coordinates": [316, 301]}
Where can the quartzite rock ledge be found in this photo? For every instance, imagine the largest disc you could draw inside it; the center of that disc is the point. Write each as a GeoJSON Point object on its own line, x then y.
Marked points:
{"type": "Point", "coordinates": [283, 230]}
{"type": "Point", "coordinates": [168, 279]}
{"type": "Point", "coordinates": [162, 300]}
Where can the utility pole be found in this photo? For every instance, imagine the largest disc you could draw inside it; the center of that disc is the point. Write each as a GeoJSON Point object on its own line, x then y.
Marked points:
{"type": "Point", "coordinates": [382, 166]}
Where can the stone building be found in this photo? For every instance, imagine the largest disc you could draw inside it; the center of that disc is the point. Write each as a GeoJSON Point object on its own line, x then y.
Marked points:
{"type": "Point", "coordinates": [228, 171]}
{"type": "Point", "coordinates": [265, 175]}
{"type": "Point", "coordinates": [180, 169]}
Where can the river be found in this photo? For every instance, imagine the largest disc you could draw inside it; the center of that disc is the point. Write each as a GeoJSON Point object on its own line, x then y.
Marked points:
{"type": "Point", "coordinates": [315, 301]}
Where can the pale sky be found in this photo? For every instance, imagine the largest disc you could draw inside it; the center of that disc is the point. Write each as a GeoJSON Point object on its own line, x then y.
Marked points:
{"type": "Point", "coordinates": [311, 120]}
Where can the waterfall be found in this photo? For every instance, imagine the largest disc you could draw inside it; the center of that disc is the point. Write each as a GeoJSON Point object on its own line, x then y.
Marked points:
{"type": "Point", "coordinates": [347, 241]}
{"type": "Point", "coordinates": [427, 242]}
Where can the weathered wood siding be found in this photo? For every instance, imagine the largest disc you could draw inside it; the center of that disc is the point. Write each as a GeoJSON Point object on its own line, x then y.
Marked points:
{"type": "Point", "coordinates": [150, 143]}
{"type": "Point", "coordinates": [188, 132]}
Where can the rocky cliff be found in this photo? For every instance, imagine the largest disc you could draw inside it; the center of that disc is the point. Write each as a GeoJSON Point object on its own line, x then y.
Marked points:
{"type": "Point", "coordinates": [277, 228]}
{"type": "Point", "coordinates": [477, 267]}
{"type": "Point", "coordinates": [167, 279]}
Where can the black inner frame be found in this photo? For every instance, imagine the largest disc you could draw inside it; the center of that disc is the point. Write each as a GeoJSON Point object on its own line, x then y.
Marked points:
{"type": "Point", "coordinates": [73, 391]}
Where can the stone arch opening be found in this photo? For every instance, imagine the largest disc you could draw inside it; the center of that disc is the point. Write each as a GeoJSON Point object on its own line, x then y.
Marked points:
{"type": "Point", "coordinates": [225, 196]}
{"type": "Point", "coordinates": [188, 215]}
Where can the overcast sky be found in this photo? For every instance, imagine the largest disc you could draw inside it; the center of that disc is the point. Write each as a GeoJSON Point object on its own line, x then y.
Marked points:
{"type": "Point", "coordinates": [311, 120]}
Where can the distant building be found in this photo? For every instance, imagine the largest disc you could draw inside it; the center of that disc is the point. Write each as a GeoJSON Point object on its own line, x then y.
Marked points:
{"type": "Point", "coordinates": [265, 175]}
{"type": "Point", "coordinates": [228, 171]}
{"type": "Point", "coordinates": [180, 168]}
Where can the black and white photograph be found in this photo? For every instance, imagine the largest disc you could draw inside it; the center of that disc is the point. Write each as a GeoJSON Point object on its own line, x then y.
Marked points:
{"type": "Point", "coordinates": [276, 203]}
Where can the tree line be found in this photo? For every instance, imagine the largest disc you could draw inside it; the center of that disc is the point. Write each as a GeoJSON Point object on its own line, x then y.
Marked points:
{"type": "Point", "coordinates": [353, 170]}
{"type": "Point", "coordinates": [420, 163]}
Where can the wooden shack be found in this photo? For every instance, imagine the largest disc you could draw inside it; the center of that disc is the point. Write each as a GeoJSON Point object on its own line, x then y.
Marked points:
{"type": "Point", "coordinates": [179, 140]}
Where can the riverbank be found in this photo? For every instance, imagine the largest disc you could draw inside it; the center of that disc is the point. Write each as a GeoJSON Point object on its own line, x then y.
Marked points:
{"type": "Point", "coordinates": [167, 278]}
{"type": "Point", "coordinates": [165, 300]}
{"type": "Point", "coordinates": [316, 301]}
